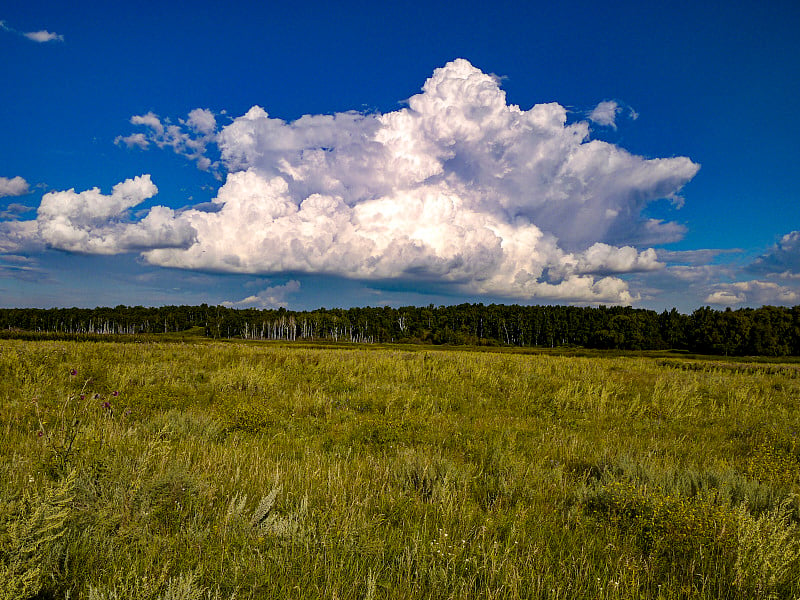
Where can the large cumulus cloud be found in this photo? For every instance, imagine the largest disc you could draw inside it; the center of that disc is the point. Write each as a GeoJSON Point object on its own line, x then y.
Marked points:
{"type": "Point", "coordinates": [458, 187]}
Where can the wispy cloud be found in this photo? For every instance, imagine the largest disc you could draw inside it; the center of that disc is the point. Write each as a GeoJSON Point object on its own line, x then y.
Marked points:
{"type": "Point", "coordinates": [42, 36]}
{"type": "Point", "coordinates": [694, 257]}
{"type": "Point", "coordinates": [605, 113]}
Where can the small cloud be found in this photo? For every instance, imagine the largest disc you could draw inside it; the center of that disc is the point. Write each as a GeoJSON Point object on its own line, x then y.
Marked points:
{"type": "Point", "coordinates": [752, 292]}
{"type": "Point", "coordinates": [605, 113]}
{"type": "Point", "coordinates": [43, 36]}
{"type": "Point", "coordinates": [783, 259]}
{"type": "Point", "coordinates": [605, 259]}
{"type": "Point", "coordinates": [725, 298]}
{"type": "Point", "coordinates": [135, 139]}
{"type": "Point", "coordinates": [271, 297]}
{"type": "Point", "coordinates": [16, 186]}
{"type": "Point", "coordinates": [202, 121]}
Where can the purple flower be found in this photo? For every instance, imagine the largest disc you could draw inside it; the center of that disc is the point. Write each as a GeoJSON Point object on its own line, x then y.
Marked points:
{"type": "Point", "coordinates": [40, 433]}
{"type": "Point", "coordinates": [115, 393]}
{"type": "Point", "coordinates": [83, 396]}
{"type": "Point", "coordinates": [106, 405]}
{"type": "Point", "coordinates": [73, 372]}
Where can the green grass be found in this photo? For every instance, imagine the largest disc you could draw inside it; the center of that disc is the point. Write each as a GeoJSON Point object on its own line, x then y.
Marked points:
{"type": "Point", "coordinates": [225, 470]}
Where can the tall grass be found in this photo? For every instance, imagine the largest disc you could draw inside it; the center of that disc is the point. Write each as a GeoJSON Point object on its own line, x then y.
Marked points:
{"type": "Point", "coordinates": [165, 471]}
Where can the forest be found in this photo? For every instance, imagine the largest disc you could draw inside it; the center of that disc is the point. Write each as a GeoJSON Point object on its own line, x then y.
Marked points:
{"type": "Point", "coordinates": [765, 331]}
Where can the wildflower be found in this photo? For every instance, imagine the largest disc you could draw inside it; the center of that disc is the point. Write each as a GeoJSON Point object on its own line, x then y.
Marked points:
{"type": "Point", "coordinates": [107, 405]}
{"type": "Point", "coordinates": [40, 433]}
{"type": "Point", "coordinates": [73, 372]}
{"type": "Point", "coordinates": [115, 393]}
{"type": "Point", "coordinates": [83, 396]}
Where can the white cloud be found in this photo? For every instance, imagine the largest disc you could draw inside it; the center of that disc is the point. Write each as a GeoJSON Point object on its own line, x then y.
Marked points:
{"type": "Point", "coordinates": [202, 121]}
{"type": "Point", "coordinates": [93, 223]}
{"type": "Point", "coordinates": [725, 298]}
{"type": "Point", "coordinates": [458, 188]}
{"type": "Point", "coordinates": [35, 36]}
{"type": "Point", "coordinates": [44, 36]}
{"type": "Point", "coordinates": [135, 139]}
{"type": "Point", "coordinates": [19, 236]}
{"type": "Point", "coordinates": [190, 138]}
{"type": "Point", "coordinates": [602, 258]}
{"type": "Point", "coordinates": [271, 297]}
{"type": "Point", "coordinates": [752, 292]}
{"type": "Point", "coordinates": [605, 113]}
{"type": "Point", "coordinates": [15, 186]}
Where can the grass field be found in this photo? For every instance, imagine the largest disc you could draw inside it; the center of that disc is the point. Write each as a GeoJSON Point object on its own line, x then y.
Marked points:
{"type": "Point", "coordinates": [218, 470]}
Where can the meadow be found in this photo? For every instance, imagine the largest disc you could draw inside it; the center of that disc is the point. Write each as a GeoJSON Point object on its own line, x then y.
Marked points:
{"type": "Point", "coordinates": [218, 470]}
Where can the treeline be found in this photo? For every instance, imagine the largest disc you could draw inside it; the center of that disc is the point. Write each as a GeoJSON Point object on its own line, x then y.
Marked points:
{"type": "Point", "coordinates": [767, 331]}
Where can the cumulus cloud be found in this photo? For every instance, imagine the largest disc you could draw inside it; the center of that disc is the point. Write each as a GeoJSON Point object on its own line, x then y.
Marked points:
{"type": "Point", "coordinates": [94, 223]}
{"type": "Point", "coordinates": [190, 138]}
{"type": "Point", "coordinates": [602, 258]}
{"type": "Point", "coordinates": [459, 187]}
{"type": "Point", "coordinates": [15, 186]}
{"type": "Point", "coordinates": [783, 259]}
{"type": "Point", "coordinates": [752, 293]}
{"type": "Point", "coordinates": [135, 139]}
{"type": "Point", "coordinates": [271, 297]}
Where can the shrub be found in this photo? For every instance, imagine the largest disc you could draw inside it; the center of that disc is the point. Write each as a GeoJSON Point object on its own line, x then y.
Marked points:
{"type": "Point", "coordinates": [30, 534]}
{"type": "Point", "coordinates": [768, 555]}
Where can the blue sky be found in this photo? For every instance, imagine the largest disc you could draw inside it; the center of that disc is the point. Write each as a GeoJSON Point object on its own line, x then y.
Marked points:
{"type": "Point", "coordinates": [386, 153]}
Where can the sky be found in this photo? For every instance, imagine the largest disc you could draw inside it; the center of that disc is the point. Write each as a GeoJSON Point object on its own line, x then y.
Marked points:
{"type": "Point", "coordinates": [367, 154]}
